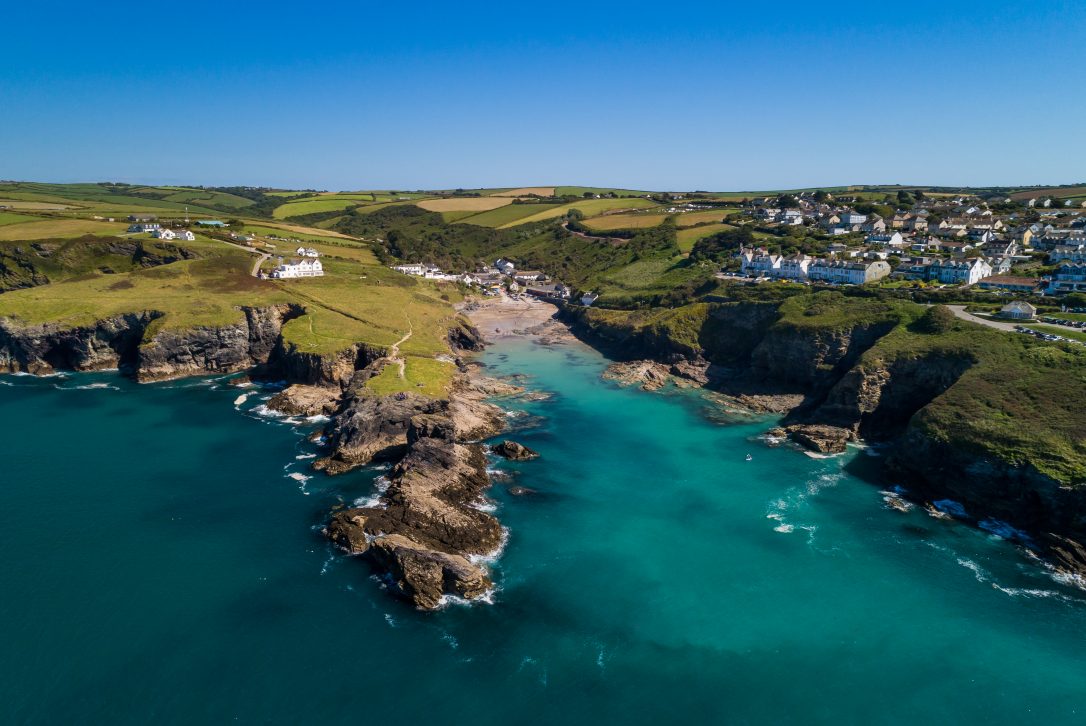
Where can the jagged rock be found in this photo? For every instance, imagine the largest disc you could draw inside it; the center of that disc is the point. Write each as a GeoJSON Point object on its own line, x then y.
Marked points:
{"type": "Point", "coordinates": [821, 438]}
{"type": "Point", "coordinates": [488, 386]}
{"type": "Point", "coordinates": [373, 427]}
{"type": "Point", "coordinates": [647, 374]}
{"type": "Point", "coordinates": [519, 491]}
{"type": "Point", "coordinates": [347, 529]}
{"type": "Point", "coordinates": [425, 576]}
{"type": "Point", "coordinates": [513, 451]}
{"type": "Point", "coordinates": [431, 426]}
{"type": "Point", "coordinates": [1067, 556]}
{"type": "Point", "coordinates": [696, 372]}
{"type": "Point", "coordinates": [474, 418]}
{"type": "Point", "coordinates": [302, 400]}
{"type": "Point", "coordinates": [465, 337]}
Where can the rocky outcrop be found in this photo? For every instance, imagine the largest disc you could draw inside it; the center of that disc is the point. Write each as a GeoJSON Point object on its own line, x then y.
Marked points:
{"type": "Point", "coordinates": [374, 427]}
{"type": "Point", "coordinates": [820, 437]}
{"type": "Point", "coordinates": [426, 529]}
{"type": "Point", "coordinates": [513, 451]}
{"type": "Point", "coordinates": [303, 400]}
{"type": "Point", "coordinates": [646, 374]}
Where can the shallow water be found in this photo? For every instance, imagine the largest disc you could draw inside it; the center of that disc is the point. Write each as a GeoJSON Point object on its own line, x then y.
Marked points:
{"type": "Point", "coordinates": [162, 561]}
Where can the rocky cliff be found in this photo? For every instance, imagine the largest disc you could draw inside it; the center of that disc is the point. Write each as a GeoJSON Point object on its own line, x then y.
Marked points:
{"type": "Point", "coordinates": [943, 399]}
{"type": "Point", "coordinates": [140, 346]}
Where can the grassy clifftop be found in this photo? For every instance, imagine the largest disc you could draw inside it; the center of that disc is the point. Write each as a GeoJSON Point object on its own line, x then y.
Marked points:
{"type": "Point", "coordinates": [1008, 398]}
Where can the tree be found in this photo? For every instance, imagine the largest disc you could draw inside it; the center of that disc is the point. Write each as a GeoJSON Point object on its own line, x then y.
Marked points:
{"type": "Point", "coordinates": [820, 196]}
{"type": "Point", "coordinates": [787, 201]}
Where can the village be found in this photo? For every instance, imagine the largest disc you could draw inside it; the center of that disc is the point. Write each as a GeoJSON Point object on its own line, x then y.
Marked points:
{"type": "Point", "coordinates": [1029, 247]}
{"type": "Point", "coordinates": [501, 278]}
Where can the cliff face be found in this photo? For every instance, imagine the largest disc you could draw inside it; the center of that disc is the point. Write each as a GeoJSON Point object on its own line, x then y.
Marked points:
{"type": "Point", "coordinates": [876, 373]}
{"type": "Point", "coordinates": [225, 349]}
{"type": "Point", "coordinates": [44, 349]}
{"type": "Point", "coordinates": [133, 344]}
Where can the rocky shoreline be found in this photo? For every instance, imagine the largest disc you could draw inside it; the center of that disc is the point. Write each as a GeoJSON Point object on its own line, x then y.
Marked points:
{"type": "Point", "coordinates": [828, 397]}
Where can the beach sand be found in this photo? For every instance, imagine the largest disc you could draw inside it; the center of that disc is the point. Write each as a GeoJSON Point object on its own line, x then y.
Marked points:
{"type": "Point", "coordinates": [503, 317]}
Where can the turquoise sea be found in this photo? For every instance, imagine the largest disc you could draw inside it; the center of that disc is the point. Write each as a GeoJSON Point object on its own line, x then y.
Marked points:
{"type": "Point", "coordinates": [162, 564]}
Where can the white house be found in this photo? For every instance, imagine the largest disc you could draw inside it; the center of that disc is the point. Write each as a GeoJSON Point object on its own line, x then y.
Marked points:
{"type": "Point", "coordinates": [307, 252]}
{"type": "Point", "coordinates": [144, 227]}
{"type": "Point", "coordinates": [885, 240]}
{"type": "Point", "coordinates": [759, 262]}
{"type": "Point", "coordinates": [417, 269]}
{"type": "Point", "coordinates": [298, 268]}
{"type": "Point", "coordinates": [964, 272]}
{"type": "Point", "coordinates": [588, 298]}
{"type": "Point", "coordinates": [794, 267]}
{"type": "Point", "coordinates": [505, 266]}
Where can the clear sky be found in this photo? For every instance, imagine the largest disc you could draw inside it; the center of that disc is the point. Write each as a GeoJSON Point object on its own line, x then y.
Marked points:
{"type": "Point", "coordinates": [715, 96]}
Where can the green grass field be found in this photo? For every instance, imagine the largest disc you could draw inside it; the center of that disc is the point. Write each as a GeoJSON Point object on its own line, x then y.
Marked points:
{"type": "Point", "coordinates": [588, 207]}
{"type": "Point", "coordinates": [685, 238]}
{"type": "Point", "coordinates": [578, 191]}
{"type": "Point", "coordinates": [508, 215]}
{"type": "Point", "coordinates": [624, 221]}
{"type": "Point", "coordinates": [59, 229]}
{"type": "Point", "coordinates": [13, 218]}
{"type": "Point", "coordinates": [689, 219]}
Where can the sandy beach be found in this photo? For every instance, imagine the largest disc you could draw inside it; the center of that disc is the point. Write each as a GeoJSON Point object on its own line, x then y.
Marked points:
{"type": "Point", "coordinates": [502, 317]}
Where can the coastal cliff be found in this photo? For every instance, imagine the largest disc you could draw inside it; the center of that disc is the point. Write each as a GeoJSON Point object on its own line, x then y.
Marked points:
{"type": "Point", "coordinates": [990, 420]}
{"type": "Point", "coordinates": [140, 346]}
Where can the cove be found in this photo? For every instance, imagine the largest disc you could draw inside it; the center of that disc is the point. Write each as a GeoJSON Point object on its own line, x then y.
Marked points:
{"type": "Point", "coordinates": [162, 560]}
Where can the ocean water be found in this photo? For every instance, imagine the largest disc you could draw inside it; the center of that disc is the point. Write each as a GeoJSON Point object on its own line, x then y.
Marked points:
{"type": "Point", "coordinates": [162, 563]}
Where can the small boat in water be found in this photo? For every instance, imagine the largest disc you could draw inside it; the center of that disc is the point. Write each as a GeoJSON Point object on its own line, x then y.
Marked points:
{"type": "Point", "coordinates": [749, 457]}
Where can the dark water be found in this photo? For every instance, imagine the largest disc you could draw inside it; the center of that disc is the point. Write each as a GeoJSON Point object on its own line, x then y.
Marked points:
{"type": "Point", "coordinates": [161, 565]}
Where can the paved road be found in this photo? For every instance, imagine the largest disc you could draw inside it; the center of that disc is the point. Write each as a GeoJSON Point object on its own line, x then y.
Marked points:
{"type": "Point", "coordinates": [259, 261]}
{"type": "Point", "coordinates": [959, 311]}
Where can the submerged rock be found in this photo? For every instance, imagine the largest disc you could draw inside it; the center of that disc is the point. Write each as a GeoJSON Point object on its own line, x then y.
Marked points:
{"type": "Point", "coordinates": [513, 451]}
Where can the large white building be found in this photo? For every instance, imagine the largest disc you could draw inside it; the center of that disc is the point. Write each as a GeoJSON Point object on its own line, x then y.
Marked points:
{"type": "Point", "coordinates": [298, 268]}
{"type": "Point", "coordinates": [182, 234]}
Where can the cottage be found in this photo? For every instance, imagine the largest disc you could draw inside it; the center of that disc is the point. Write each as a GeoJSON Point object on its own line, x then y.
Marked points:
{"type": "Point", "coordinates": [417, 269]}
{"type": "Point", "coordinates": [885, 240]}
{"type": "Point", "coordinates": [588, 298]}
{"type": "Point", "coordinates": [307, 252]}
{"type": "Point", "coordinates": [1018, 310]}
{"type": "Point", "coordinates": [144, 227]}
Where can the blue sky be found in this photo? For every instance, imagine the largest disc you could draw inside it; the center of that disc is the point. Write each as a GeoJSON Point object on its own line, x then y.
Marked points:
{"type": "Point", "coordinates": [715, 96]}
